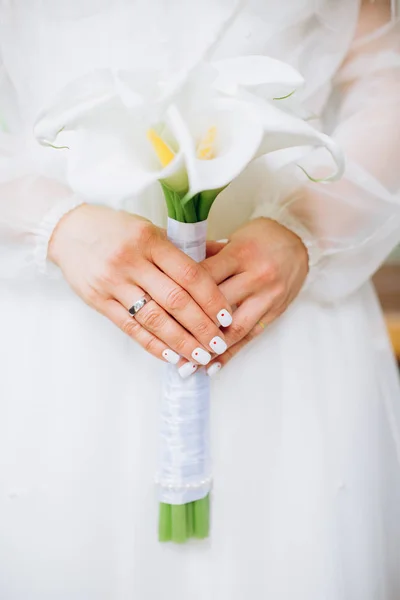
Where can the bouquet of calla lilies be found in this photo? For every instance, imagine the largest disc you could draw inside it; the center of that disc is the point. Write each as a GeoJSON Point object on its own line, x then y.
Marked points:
{"type": "Point", "coordinates": [194, 134]}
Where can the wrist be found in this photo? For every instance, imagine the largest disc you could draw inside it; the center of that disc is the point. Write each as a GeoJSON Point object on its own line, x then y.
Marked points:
{"type": "Point", "coordinates": [283, 216]}
{"type": "Point", "coordinates": [66, 225]}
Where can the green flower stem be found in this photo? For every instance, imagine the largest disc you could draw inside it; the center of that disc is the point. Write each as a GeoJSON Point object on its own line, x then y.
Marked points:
{"type": "Point", "coordinates": [164, 523]}
{"type": "Point", "coordinates": [179, 212]}
{"type": "Point", "coordinates": [205, 202]}
{"type": "Point", "coordinates": [202, 517]}
{"type": "Point", "coordinates": [178, 523]}
{"type": "Point", "coordinates": [189, 211]}
{"type": "Point", "coordinates": [190, 519]}
{"type": "Point", "coordinates": [170, 207]}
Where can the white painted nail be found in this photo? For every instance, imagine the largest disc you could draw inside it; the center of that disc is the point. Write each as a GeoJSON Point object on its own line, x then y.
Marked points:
{"type": "Point", "coordinates": [201, 356]}
{"type": "Point", "coordinates": [225, 318]}
{"type": "Point", "coordinates": [218, 345]}
{"type": "Point", "coordinates": [187, 369]}
{"type": "Point", "coordinates": [171, 356]}
{"type": "Point", "coordinates": [213, 369]}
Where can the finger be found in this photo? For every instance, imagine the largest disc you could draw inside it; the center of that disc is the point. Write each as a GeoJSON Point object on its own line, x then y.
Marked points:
{"type": "Point", "coordinates": [221, 266]}
{"type": "Point", "coordinates": [248, 315]}
{"type": "Point", "coordinates": [193, 278]}
{"type": "Point", "coordinates": [122, 319]}
{"type": "Point", "coordinates": [212, 247]}
{"type": "Point", "coordinates": [245, 327]}
{"type": "Point", "coordinates": [179, 303]}
{"type": "Point", "coordinates": [218, 363]}
{"type": "Point", "coordinates": [237, 288]}
{"type": "Point", "coordinates": [158, 322]}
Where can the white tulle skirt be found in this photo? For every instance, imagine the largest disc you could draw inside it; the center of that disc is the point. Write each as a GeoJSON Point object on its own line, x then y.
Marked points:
{"type": "Point", "coordinates": [306, 421]}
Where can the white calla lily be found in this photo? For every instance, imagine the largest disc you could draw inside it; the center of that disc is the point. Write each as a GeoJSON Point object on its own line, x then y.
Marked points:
{"type": "Point", "coordinates": [102, 124]}
{"type": "Point", "coordinates": [105, 166]}
{"type": "Point", "coordinates": [238, 138]}
{"type": "Point", "coordinates": [104, 121]}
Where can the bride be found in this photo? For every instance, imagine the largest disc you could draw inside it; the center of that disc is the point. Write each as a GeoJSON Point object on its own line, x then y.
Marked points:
{"type": "Point", "coordinates": [305, 399]}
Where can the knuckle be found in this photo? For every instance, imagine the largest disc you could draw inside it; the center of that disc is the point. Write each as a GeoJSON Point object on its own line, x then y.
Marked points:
{"type": "Point", "coordinates": [237, 331]}
{"type": "Point", "coordinates": [177, 299]}
{"type": "Point", "coordinates": [106, 277]}
{"type": "Point", "coordinates": [247, 251]}
{"type": "Point", "coordinates": [214, 299]}
{"type": "Point", "coordinates": [118, 257]}
{"type": "Point", "coordinates": [269, 271]}
{"type": "Point", "coordinates": [191, 273]}
{"type": "Point", "coordinates": [152, 319]}
{"type": "Point", "coordinates": [227, 355]}
{"type": "Point", "coordinates": [145, 232]}
{"type": "Point", "coordinates": [130, 327]}
{"type": "Point", "coordinates": [180, 346]}
{"type": "Point", "coordinates": [91, 296]}
{"type": "Point", "coordinates": [151, 345]}
{"type": "Point", "coordinates": [201, 328]}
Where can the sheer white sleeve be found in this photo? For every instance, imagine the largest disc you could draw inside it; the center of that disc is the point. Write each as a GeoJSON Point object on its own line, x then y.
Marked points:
{"type": "Point", "coordinates": [30, 204]}
{"type": "Point", "coordinates": [350, 226]}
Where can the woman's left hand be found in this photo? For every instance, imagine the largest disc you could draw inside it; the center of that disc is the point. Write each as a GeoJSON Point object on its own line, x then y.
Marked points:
{"type": "Point", "coordinates": [261, 270]}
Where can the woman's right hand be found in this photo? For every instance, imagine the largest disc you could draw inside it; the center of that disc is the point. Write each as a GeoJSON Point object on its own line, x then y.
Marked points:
{"type": "Point", "coordinates": [112, 258]}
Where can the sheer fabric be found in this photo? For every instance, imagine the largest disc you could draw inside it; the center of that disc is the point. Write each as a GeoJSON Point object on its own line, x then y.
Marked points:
{"type": "Point", "coordinates": [31, 204]}
{"type": "Point", "coordinates": [353, 224]}
{"type": "Point", "coordinates": [349, 227]}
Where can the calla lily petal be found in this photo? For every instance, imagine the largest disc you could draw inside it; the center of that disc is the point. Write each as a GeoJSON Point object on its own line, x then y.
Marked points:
{"type": "Point", "coordinates": [253, 71]}
{"type": "Point", "coordinates": [108, 170]}
{"type": "Point", "coordinates": [105, 160]}
{"type": "Point", "coordinates": [282, 130]}
{"type": "Point", "coordinates": [76, 101]}
{"type": "Point", "coordinates": [239, 137]}
{"type": "Point", "coordinates": [82, 97]}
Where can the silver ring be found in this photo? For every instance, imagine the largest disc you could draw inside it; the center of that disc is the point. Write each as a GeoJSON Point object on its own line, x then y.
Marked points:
{"type": "Point", "coordinates": [139, 305]}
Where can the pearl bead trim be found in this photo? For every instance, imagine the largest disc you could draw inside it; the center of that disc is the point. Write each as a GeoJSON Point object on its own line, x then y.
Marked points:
{"type": "Point", "coordinates": [186, 486]}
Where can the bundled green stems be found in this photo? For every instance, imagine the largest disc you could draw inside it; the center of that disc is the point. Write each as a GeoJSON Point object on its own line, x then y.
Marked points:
{"type": "Point", "coordinates": [179, 523]}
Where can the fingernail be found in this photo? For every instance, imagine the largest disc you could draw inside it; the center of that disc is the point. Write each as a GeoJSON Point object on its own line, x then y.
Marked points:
{"type": "Point", "coordinates": [171, 356]}
{"type": "Point", "coordinates": [225, 318]}
{"type": "Point", "coordinates": [201, 356]}
{"type": "Point", "coordinates": [187, 369]}
{"type": "Point", "coordinates": [218, 345]}
{"type": "Point", "coordinates": [213, 369]}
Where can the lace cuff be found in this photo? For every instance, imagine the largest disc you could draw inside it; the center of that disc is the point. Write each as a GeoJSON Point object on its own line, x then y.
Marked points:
{"type": "Point", "coordinates": [45, 231]}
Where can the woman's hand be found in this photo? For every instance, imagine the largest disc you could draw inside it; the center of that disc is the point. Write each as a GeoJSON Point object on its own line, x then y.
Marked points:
{"type": "Point", "coordinates": [111, 259]}
{"type": "Point", "coordinates": [261, 270]}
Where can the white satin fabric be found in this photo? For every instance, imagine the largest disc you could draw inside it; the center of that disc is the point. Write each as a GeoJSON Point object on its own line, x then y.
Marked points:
{"type": "Point", "coordinates": [184, 463]}
{"type": "Point", "coordinates": [305, 421]}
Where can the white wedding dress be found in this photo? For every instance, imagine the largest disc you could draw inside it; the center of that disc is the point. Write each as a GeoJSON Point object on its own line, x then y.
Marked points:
{"type": "Point", "coordinates": [305, 421]}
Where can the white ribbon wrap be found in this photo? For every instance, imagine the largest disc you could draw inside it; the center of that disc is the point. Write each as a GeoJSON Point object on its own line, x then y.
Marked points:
{"type": "Point", "coordinates": [184, 462]}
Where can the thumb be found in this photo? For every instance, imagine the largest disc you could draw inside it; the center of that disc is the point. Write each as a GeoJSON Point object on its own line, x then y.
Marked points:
{"type": "Point", "coordinates": [222, 264]}
{"type": "Point", "coordinates": [213, 247]}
